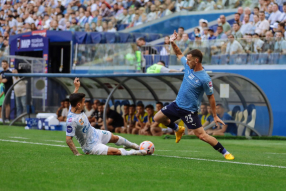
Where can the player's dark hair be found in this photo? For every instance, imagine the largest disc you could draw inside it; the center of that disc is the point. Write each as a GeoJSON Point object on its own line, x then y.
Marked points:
{"type": "Point", "coordinates": [197, 54]}
{"type": "Point", "coordinates": [256, 8]}
{"type": "Point", "coordinates": [262, 12]}
{"type": "Point", "coordinates": [5, 61]}
{"type": "Point", "coordinates": [140, 105]}
{"type": "Point", "coordinates": [132, 105]}
{"type": "Point", "coordinates": [198, 29]}
{"type": "Point", "coordinates": [162, 62]}
{"type": "Point", "coordinates": [159, 103]}
{"type": "Point", "coordinates": [282, 25]}
{"type": "Point", "coordinates": [87, 101]}
{"type": "Point", "coordinates": [182, 28]}
{"type": "Point", "coordinates": [126, 105]}
{"type": "Point", "coordinates": [236, 23]}
{"type": "Point", "coordinates": [219, 27]}
{"type": "Point", "coordinates": [149, 106]}
{"type": "Point", "coordinates": [237, 14]}
{"type": "Point", "coordinates": [75, 98]}
{"type": "Point", "coordinates": [220, 105]}
{"type": "Point", "coordinates": [205, 104]}
{"type": "Point", "coordinates": [141, 38]}
{"type": "Point", "coordinates": [102, 104]}
{"type": "Point", "coordinates": [67, 100]}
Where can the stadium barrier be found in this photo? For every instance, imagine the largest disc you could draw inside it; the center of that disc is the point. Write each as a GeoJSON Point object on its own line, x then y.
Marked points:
{"type": "Point", "coordinates": [242, 98]}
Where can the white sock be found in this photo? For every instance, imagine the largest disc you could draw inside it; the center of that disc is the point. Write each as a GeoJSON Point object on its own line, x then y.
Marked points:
{"type": "Point", "coordinates": [123, 141]}
{"type": "Point", "coordinates": [226, 153]}
{"type": "Point", "coordinates": [124, 152]}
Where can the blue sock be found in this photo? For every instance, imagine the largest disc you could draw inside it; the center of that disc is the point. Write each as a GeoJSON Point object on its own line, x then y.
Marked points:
{"type": "Point", "coordinates": [173, 126]}
{"type": "Point", "coordinates": [220, 148]}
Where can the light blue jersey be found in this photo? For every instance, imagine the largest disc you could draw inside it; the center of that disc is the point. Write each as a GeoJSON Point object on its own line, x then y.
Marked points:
{"type": "Point", "coordinates": [193, 87]}
{"type": "Point", "coordinates": [79, 126]}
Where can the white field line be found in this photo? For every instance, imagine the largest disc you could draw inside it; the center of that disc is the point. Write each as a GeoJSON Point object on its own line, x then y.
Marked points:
{"type": "Point", "coordinates": [225, 161]}
{"type": "Point", "coordinates": [55, 141]}
{"type": "Point", "coordinates": [276, 153]}
{"type": "Point", "coordinates": [18, 137]}
{"type": "Point", "coordinates": [189, 158]}
{"type": "Point", "coordinates": [33, 143]}
{"type": "Point", "coordinates": [178, 151]}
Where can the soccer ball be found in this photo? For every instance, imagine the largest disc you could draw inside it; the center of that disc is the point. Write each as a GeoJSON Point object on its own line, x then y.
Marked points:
{"type": "Point", "coordinates": [147, 146]}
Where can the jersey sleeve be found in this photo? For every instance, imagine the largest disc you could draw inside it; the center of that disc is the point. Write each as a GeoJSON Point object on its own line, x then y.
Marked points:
{"type": "Point", "coordinates": [208, 87]}
{"type": "Point", "coordinates": [184, 61]}
{"type": "Point", "coordinates": [145, 119]}
{"type": "Point", "coordinates": [71, 128]}
{"type": "Point", "coordinates": [165, 70]}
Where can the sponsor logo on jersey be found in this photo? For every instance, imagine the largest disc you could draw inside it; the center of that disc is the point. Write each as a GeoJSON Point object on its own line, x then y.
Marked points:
{"type": "Point", "coordinates": [191, 76]}
{"type": "Point", "coordinates": [70, 120]}
{"type": "Point", "coordinates": [69, 129]}
{"type": "Point", "coordinates": [210, 84]}
{"type": "Point", "coordinates": [81, 122]}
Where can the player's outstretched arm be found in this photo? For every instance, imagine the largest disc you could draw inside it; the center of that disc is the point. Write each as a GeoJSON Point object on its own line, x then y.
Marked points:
{"type": "Point", "coordinates": [71, 145]}
{"type": "Point", "coordinates": [176, 49]}
{"type": "Point", "coordinates": [76, 83]}
{"type": "Point", "coordinates": [217, 120]}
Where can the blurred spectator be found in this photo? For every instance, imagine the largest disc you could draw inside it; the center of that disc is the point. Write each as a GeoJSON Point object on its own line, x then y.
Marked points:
{"type": "Point", "coordinates": [237, 19]}
{"type": "Point", "coordinates": [111, 27]}
{"type": "Point", "coordinates": [185, 41]}
{"type": "Point", "coordinates": [65, 111]}
{"type": "Point", "coordinates": [113, 120]}
{"type": "Point", "coordinates": [248, 45]}
{"type": "Point", "coordinates": [179, 4]}
{"type": "Point", "coordinates": [125, 119]}
{"type": "Point", "coordinates": [233, 3]}
{"type": "Point", "coordinates": [181, 30]}
{"type": "Point", "coordinates": [281, 27]}
{"type": "Point", "coordinates": [220, 34]}
{"type": "Point", "coordinates": [228, 128]}
{"type": "Point", "coordinates": [60, 109]}
{"type": "Point", "coordinates": [205, 35]}
{"type": "Point", "coordinates": [196, 31]}
{"type": "Point", "coordinates": [233, 46]}
{"type": "Point", "coordinates": [257, 43]}
{"type": "Point", "coordinates": [280, 44]}
{"type": "Point", "coordinates": [148, 121]}
{"type": "Point", "coordinates": [247, 11]}
{"type": "Point", "coordinates": [166, 48]}
{"type": "Point", "coordinates": [240, 11]}
{"type": "Point", "coordinates": [96, 119]}
{"type": "Point", "coordinates": [8, 82]}
{"type": "Point", "coordinates": [159, 67]}
{"type": "Point", "coordinates": [211, 35]}
{"type": "Point", "coordinates": [275, 15]}
{"type": "Point", "coordinates": [88, 108]}
{"type": "Point", "coordinates": [268, 11]}
{"type": "Point", "coordinates": [201, 5]}
{"type": "Point", "coordinates": [225, 25]}
{"type": "Point", "coordinates": [204, 113]}
{"type": "Point", "coordinates": [282, 17]}
{"type": "Point", "coordinates": [210, 5]}
{"type": "Point", "coordinates": [152, 15]}
{"type": "Point", "coordinates": [268, 45]}
{"type": "Point", "coordinates": [236, 31]}
{"type": "Point", "coordinates": [263, 24]}
{"type": "Point", "coordinates": [210, 118]}
{"type": "Point", "coordinates": [255, 23]}
{"type": "Point", "coordinates": [129, 120]}
{"type": "Point", "coordinates": [247, 26]}
{"type": "Point", "coordinates": [188, 5]}
{"type": "Point", "coordinates": [20, 93]}
{"type": "Point", "coordinates": [140, 115]}
{"type": "Point", "coordinates": [256, 11]}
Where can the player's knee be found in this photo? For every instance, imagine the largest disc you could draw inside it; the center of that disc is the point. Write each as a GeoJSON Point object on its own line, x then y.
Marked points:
{"type": "Point", "coordinates": [202, 136]}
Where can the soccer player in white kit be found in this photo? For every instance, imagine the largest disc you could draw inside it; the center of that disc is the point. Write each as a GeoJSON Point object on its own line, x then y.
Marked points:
{"type": "Point", "coordinates": [92, 141]}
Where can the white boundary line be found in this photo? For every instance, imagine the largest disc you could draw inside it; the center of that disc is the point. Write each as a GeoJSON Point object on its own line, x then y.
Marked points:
{"type": "Point", "coordinates": [225, 161]}
{"type": "Point", "coordinates": [189, 158]}
{"type": "Point", "coordinates": [18, 137]}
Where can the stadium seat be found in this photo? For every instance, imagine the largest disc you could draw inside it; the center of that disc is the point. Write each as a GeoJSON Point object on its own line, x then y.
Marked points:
{"type": "Point", "coordinates": [235, 110]}
{"type": "Point", "coordinates": [123, 37]}
{"type": "Point", "coordinates": [149, 60]}
{"type": "Point", "coordinates": [241, 59]}
{"type": "Point", "coordinates": [157, 58]}
{"type": "Point", "coordinates": [130, 38]}
{"type": "Point", "coordinates": [166, 59]}
{"type": "Point", "coordinates": [110, 37]}
{"type": "Point", "coordinates": [263, 58]}
{"type": "Point", "coordinates": [282, 59]}
{"type": "Point", "coordinates": [251, 123]}
{"type": "Point", "coordinates": [173, 60]}
{"type": "Point", "coordinates": [224, 59]}
{"type": "Point", "coordinates": [152, 37]}
{"type": "Point", "coordinates": [215, 60]}
{"type": "Point", "coordinates": [274, 58]}
{"type": "Point", "coordinates": [240, 127]}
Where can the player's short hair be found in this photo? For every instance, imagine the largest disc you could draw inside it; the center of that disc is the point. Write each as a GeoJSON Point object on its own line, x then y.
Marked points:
{"type": "Point", "coordinates": [197, 54]}
{"type": "Point", "coordinates": [182, 28]}
{"type": "Point", "coordinates": [262, 12]}
{"type": "Point", "coordinates": [205, 104]}
{"type": "Point", "coordinates": [162, 62]}
{"type": "Point", "coordinates": [159, 103]}
{"type": "Point", "coordinates": [282, 25]}
{"type": "Point", "coordinates": [256, 8]}
{"type": "Point", "coordinates": [237, 14]}
{"type": "Point", "coordinates": [126, 105]}
{"type": "Point", "coordinates": [220, 105]}
{"type": "Point", "coordinates": [75, 98]}
{"type": "Point", "coordinates": [140, 105]}
{"type": "Point", "coordinates": [87, 101]}
{"type": "Point", "coordinates": [236, 23]}
{"type": "Point", "coordinates": [141, 38]}
{"type": "Point", "coordinates": [220, 27]}
{"type": "Point", "coordinates": [149, 106]}
{"type": "Point", "coordinates": [101, 104]}
{"type": "Point", "coordinates": [67, 100]}
{"type": "Point", "coordinates": [5, 61]}
{"type": "Point", "coordinates": [132, 105]}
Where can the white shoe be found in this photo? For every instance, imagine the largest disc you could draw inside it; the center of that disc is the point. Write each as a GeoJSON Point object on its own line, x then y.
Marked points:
{"type": "Point", "coordinates": [7, 121]}
{"type": "Point", "coordinates": [134, 146]}
{"type": "Point", "coordinates": [139, 152]}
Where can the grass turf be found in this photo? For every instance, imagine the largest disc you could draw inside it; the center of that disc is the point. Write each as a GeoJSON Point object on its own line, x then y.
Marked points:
{"type": "Point", "coordinates": [48, 167]}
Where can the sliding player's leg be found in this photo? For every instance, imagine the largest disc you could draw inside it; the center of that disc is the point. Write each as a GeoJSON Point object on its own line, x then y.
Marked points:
{"type": "Point", "coordinates": [118, 140]}
{"type": "Point", "coordinates": [201, 134]}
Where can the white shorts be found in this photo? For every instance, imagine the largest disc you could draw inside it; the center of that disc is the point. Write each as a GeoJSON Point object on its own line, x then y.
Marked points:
{"type": "Point", "coordinates": [167, 130]}
{"type": "Point", "coordinates": [101, 148]}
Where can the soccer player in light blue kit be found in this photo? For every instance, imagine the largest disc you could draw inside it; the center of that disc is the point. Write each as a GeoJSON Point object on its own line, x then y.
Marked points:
{"type": "Point", "coordinates": [91, 140]}
{"type": "Point", "coordinates": [196, 82]}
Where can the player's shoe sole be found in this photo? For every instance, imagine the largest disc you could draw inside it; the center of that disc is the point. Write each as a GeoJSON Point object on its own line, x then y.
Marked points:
{"type": "Point", "coordinates": [134, 146]}
{"type": "Point", "coordinates": [229, 157]}
{"type": "Point", "coordinates": [179, 133]}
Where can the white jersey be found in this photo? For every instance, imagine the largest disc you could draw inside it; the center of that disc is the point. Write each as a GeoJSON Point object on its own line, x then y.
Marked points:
{"type": "Point", "coordinates": [79, 126]}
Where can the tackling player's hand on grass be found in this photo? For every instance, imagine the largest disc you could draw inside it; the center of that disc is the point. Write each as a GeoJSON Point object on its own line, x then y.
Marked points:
{"type": "Point", "coordinates": [78, 154]}
{"type": "Point", "coordinates": [217, 120]}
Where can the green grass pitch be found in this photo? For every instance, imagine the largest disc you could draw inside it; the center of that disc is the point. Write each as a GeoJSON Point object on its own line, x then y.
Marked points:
{"type": "Point", "coordinates": [40, 160]}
